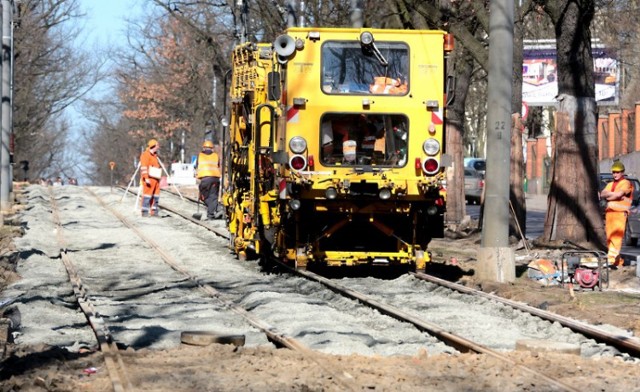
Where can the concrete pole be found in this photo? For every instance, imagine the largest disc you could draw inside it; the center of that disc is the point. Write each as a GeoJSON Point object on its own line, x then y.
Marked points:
{"type": "Point", "coordinates": [5, 175]}
{"type": "Point", "coordinates": [496, 259]}
{"type": "Point", "coordinates": [357, 21]}
{"type": "Point", "coordinates": [291, 14]}
{"type": "Point", "coordinates": [244, 16]}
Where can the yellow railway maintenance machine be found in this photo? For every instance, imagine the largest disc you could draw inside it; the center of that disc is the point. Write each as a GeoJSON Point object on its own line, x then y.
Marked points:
{"type": "Point", "coordinates": [336, 146]}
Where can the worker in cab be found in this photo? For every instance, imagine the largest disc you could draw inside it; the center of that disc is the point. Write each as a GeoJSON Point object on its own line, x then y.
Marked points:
{"type": "Point", "coordinates": [618, 195]}
{"type": "Point", "coordinates": [150, 176]}
{"type": "Point", "coordinates": [208, 173]}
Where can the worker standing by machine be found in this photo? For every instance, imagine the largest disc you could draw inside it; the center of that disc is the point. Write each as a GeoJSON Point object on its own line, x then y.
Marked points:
{"type": "Point", "coordinates": [208, 172]}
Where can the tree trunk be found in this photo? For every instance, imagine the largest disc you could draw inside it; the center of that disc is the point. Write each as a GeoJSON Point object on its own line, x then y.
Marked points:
{"type": "Point", "coordinates": [518, 209]}
{"type": "Point", "coordinates": [455, 130]}
{"type": "Point", "coordinates": [518, 221]}
{"type": "Point", "coordinates": [573, 212]}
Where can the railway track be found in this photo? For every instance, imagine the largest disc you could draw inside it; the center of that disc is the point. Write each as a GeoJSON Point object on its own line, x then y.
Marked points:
{"type": "Point", "coordinates": [283, 339]}
{"type": "Point", "coordinates": [630, 346]}
{"type": "Point", "coordinates": [116, 367]}
{"type": "Point", "coordinates": [622, 343]}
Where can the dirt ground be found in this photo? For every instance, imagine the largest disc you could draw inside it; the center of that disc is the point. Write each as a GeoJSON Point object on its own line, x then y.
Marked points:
{"type": "Point", "coordinates": [228, 368]}
{"type": "Point", "coordinates": [619, 305]}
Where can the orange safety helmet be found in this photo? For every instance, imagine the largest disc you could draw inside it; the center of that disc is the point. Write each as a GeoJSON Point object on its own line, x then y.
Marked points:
{"type": "Point", "coordinates": [207, 144]}
{"type": "Point", "coordinates": [152, 143]}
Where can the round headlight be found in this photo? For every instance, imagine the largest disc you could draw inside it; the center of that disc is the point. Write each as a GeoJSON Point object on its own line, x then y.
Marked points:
{"type": "Point", "coordinates": [431, 146]}
{"type": "Point", "coordinates": [384, 194]}
{"type": "Point", "coordinates": [294, 204]}
{"type": "Point", "coordinates": [331, 193]}
{"type": "Point", "coordinates": [432, 210]}
{"type": "Point", "coordinates": [297, 144]}
{"type": "Point", "coordinates": [366, 38]}
{"type": "Point", "coordinates": [297, 162]}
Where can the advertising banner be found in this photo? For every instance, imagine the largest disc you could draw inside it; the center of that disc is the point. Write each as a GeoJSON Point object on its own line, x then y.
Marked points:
{"type": "Point", "coordinates": [540, 74]}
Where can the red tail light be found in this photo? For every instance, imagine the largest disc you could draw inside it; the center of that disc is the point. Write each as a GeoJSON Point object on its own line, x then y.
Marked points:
{"type": "Point", "coordinates": [418, 164]}
{"type": "Point", "coordinates": [310, 162]}
{"type": "Point", "coordinates": [297, 162]}
{"type": "Point", "coordinates": [431, 166]}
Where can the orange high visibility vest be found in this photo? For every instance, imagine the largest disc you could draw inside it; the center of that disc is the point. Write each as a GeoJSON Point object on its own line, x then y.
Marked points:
{"type": "Point", "coordinates": [624, 204]}
{"type": "Point", "coordinates": [147, 160]}
{"type": "Point", "coordinates": [382, 85]}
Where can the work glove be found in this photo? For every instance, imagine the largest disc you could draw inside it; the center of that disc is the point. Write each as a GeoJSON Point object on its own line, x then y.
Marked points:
{"type": "Point", "coordinates": [147, 181]}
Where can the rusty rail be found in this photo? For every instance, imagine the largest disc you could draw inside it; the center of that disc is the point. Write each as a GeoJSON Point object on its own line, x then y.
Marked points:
{"type": "Point", "coordinates": [270, 331]}
{"type": "Point", "coordinates": [113, 360]}
{"type": "Point", "coordinates": [629, 345]}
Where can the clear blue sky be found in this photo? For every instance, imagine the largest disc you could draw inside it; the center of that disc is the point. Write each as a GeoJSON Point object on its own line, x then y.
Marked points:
{"type": "Point", "coordinates": [106, 18]}
{"type": "Point", "coordinates": [104, 27]}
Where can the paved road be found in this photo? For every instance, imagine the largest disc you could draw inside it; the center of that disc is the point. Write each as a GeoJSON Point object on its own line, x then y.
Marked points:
{"type": "Point", "coordinates": [536, 210]}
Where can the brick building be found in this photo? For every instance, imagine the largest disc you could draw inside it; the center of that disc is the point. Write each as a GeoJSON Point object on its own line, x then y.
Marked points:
{"type": "Point", "coordinates": [618, 138]}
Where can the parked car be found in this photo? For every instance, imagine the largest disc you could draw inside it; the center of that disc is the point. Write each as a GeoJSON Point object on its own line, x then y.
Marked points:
{"type": "Point", "coordinates": [632, 232]}
{"type": "Point", "coordinates": [478, 164]}
{"type": "Point", "coordinates": [473, 185]}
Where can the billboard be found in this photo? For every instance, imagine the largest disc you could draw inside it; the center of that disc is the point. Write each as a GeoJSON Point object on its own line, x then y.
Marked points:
{"type": "Point", "coordinates": [540, 75]}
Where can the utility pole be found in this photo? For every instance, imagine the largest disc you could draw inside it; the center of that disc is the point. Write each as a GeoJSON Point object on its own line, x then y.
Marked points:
{"type": "Point", "coordinates": [357, 21]}
{"type": "Point", "coordinates": [291, 14]}
{"type": "Point", "coordinates": [5, 170]}
{"type": "Point", "coordinates": [496, 259]}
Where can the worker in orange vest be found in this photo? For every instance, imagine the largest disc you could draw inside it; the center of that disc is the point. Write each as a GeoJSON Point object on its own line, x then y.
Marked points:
{"type": "Point", "coordinates": [150, 175]}
{"type": "Point", "coordinates": [208, 172]}
{"type": "Point", "coordinates": [618, 195]}
{"type": "Point", "coordinates": [385, 85]}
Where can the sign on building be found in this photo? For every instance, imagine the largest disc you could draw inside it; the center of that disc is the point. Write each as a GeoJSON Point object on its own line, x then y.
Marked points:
{"type": "Point", "coordinates": [540, 74]}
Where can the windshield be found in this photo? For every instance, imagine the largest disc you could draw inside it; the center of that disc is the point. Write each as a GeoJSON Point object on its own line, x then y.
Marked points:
{"type": "Point", "coordinates": [358, 139]}
{"type": "Point", "coordinates": [350, 68]}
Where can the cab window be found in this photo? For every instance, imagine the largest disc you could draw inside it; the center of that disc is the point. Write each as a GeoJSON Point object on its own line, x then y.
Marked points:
{"type": "Point", "coordinates": [363, 139]}
{"type": "Point", "coordinates": [350, 68]}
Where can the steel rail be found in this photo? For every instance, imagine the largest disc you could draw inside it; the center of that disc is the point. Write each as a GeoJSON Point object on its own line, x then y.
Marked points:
{"type": "Point", "coordinates": [625, 344]}
{"type": "Point", "coordinates": [270, 331]}
{"type": "Point", "coordinates": [451, 339]}
{"type": "Point", "coordinates": [113, 360]}
{"type": "Point", "coordinates": [218, 232]}
{"type": "Point", "coordinates": [628, 345]}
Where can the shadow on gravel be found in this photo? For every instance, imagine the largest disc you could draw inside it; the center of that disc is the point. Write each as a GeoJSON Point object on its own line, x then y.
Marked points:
{"type": "Point", "coordinates": [150, 335]}
{"type": "Point", "coordinates": [452, 273]}
{"type": "Point", "coordinates": [521, 270]}
{"type": "Point", "coordinates": [28, 253]}
{"type": "Point", "coordinates": [35, 360]}
{"type": "Point", "coordinates": [378, 272]}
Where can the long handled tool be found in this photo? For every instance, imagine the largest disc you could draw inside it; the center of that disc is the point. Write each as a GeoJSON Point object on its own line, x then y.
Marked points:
{"type": "Point", "coordinates": [198, 214]}
{"type": "Point", "coordinates": [133, 177]}
{"type": "Point", "coordinates": [167, 173]}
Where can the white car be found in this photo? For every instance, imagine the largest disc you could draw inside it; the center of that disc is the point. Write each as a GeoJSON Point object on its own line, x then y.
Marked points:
{"type": "Point", "coordinates": [473, 186]}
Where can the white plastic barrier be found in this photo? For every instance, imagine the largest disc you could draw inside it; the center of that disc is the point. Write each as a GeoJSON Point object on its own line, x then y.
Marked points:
{"type": "Point", "coordinates": [182, 174]}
